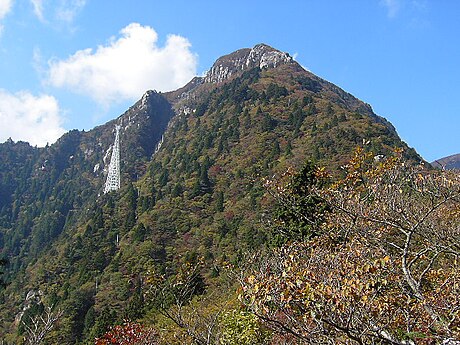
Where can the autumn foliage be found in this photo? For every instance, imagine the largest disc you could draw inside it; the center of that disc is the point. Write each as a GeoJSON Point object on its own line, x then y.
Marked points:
{"type": "Point", "coordinates": [383, 267]}
{"type": "Point", "coordinates": [128, 334]}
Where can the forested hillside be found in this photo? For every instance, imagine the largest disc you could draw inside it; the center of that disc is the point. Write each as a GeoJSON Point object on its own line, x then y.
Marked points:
{"type": "Point", "coordinates": [187, 216]}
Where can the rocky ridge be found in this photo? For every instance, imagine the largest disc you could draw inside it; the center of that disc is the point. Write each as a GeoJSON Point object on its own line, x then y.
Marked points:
{"type": "Point", "coordinates": [448, 163]}
{"type": "Point", "coordinates": [262, 56]}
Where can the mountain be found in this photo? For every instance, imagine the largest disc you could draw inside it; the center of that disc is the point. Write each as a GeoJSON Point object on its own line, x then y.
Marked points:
{"type": "Point", "coordinates": [59, 178]}
{"type": "Point", "coordinates": [449, 162]}
{"type": "Point", "coordinates": [193, 164]}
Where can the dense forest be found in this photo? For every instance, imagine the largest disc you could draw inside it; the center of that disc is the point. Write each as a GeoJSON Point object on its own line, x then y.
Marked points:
{"type": "Point", "coordinates": [259, 206]}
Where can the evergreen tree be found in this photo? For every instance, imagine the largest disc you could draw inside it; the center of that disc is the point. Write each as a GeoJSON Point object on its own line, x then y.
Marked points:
{"type": "Point", "coordinates": [300, 212]}
{"type": "Point", "coordinates": [3, 263]}
{"type": "Point", "coordinates": [219, 201]}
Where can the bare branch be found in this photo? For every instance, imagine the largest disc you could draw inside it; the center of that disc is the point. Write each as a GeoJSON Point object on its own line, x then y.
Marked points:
{"type": "Point", "coordinates": [41, 325]}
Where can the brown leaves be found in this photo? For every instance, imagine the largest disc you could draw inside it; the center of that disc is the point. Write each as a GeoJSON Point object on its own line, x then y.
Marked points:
{"type": "Point", "coordinates": [384, 266]}
{"type": "Point", "coordinates": [306, 282]}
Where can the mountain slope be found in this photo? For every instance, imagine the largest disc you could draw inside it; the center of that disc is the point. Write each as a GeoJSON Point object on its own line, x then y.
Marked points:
{"type": "Point", "coordinates": [42, 188]}
{"type": "Point", "coordinates": [251, 123]}
{"type": "Point", "coordinates": [449, 162]}
{"type": "Point", "coordinates": [200, 198]}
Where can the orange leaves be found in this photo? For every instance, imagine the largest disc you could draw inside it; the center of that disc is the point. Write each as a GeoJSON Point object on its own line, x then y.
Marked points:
{"type": "Point", "coordinates": [128, 334]}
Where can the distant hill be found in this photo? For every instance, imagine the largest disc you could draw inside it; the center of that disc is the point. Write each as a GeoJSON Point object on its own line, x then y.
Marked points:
{"type": "Point", "coordinates": [449, 162]}
{"type": "Point", "coordinates": [197, 196]}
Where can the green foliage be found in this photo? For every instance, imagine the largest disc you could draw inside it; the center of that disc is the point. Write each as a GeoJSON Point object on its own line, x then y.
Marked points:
{"type": "Point", "coordinates": [102, 323]}
{"type": "Point", "coordinates": [219, 201]}
{"type": "Point", "coordinates": [308, 83]}
{"type": "Point", "coordinates": [276, 91]}
{"type": "Point", "coordinates": [3, 263]}
{"type": "Point", "coordinates": [267, 123]}
{"type": "Point", "coordinates": [300, 212]}
{"type": "Point", "coordinates": [243, 328]}
{"type": "Point", "coordinates": [139, 232]}
{"type": "Point", "coordinates": [30, 313]}
{"type": "Point", "coordinates": [175, 291]}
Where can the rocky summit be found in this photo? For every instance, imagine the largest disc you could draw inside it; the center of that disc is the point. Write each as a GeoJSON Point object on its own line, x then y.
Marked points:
{"type": "Point", "coordinates": [261, 56]}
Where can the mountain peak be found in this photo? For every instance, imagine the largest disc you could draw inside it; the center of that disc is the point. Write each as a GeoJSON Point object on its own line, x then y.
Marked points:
{"type": "Point", "coordinates": [146, 98]}
{"type": "Point", "coordinates": [266, 57]}
{"type": "Point", "coordinates": [261, 55]}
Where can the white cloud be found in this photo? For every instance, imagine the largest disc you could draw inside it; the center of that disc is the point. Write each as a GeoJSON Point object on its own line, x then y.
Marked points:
{"type": "Point", "coordinates": [38, 9]}
{"type": "Point", "coordinates": [30, 118]}
{"type": "Point", "coordinates": [60, 11]}
{"type": "Point", "coordinates": [69, 9]}
{"type": "Point", "coordinates": [295, 56]}
{"type": "Point", "coordinates": [126, 66]}
{"type": "Point", "coordinates": [392, 6]}
{"type": "Point", "coordinates": [5, 7]}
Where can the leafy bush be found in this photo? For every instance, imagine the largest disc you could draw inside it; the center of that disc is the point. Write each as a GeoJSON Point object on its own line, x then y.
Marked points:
{"type": "Point", "coordinates": [242, 328]}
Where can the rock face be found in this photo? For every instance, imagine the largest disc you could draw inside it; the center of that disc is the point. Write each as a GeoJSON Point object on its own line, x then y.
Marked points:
{"type": "Point", "coordinates": [262, 56]}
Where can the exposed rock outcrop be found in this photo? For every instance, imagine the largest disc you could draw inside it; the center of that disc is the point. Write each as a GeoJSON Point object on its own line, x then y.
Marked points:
{"type": "Point", "coordinates": [262, 56]}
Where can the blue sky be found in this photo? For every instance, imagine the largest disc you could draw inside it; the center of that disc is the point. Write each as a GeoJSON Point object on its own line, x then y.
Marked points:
{"type": "Point", "coordinates": [68, 64]}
